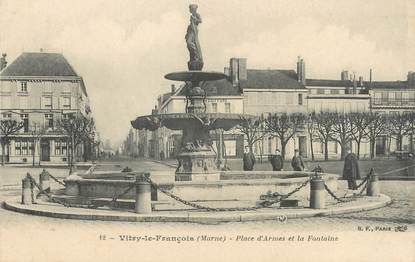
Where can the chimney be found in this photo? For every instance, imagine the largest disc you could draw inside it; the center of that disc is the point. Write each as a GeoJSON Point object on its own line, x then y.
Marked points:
{"type": "Point", "coordinates": [233, 68]}
{"type": "Point", "coordinates": [301, 70]}
{"type": "Point", "coordinates": [411, 79]}
{"type": "Point", "coordinates": [242, 74]}
{"type": "Point", "coordinates": [173, 89]}
{"type": "Point", "coordinates": [345, 75]}
{"type": "Point", "coordinates": [237, 70]}
{"type": "Point", "coordinates": [3, 62]}
{"type": "Point", "coordinates": [360, 80]}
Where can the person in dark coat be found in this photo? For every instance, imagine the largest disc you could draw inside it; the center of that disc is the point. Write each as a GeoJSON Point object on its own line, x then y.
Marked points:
{"type": "Point", "coordinates": [249, 160]}
{"type": "Point", "coordinates": [351, 170]}
{"type": "Point", "coordinates": [297, 162]}
{"type": "Point", "coordinates": [277, 161]}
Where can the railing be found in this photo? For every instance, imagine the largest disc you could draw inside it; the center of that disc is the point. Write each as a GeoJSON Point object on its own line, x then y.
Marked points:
{"type": "Point", "coordinates": [393, 102]}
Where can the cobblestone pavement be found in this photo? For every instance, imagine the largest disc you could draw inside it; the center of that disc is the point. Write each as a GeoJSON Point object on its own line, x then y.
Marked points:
{"type": "Point", "coordinates": [35, 238]}
{"type": "Point", "coordinates": [400, 212]}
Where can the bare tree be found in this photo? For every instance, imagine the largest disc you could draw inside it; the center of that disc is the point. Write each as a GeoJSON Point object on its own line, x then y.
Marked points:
{"type": "Point", "coordinates": [252, 129]}
{"type": "Point", "coordinates": [399, 127]}
{"type": "Point", "coordinates": [7, 129]}
{"type": "Point", "coordinates": [78, 129]}
{"type": "Point", "coordinates": [377, 126]}
{"type": "Point", "coordinates": [360, 123]}
{"type": "Point", "coordinates": [311, 129]}
{"type": "Point", "coordinates": [284, 126]}
{"type": "Point", "coordinates": [411, 129]}
{"type": "Point", "coordinates": [324, 130]}
{"type": "Point", "coordinates": [342, 132]}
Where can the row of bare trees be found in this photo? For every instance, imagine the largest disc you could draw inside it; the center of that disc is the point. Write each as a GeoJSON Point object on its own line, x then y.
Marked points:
{"type": "Point", "coordinates": [76, 129]}
{"type": "Point", "coordinates": [324, 127]}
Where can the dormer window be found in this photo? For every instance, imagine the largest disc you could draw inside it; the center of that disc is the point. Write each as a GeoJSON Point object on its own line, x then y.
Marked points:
{"type": "Point", "coordinates": [23, 87]}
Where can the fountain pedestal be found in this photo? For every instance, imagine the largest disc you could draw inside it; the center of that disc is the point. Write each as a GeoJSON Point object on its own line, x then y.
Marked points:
{"type": "Point", "coordinates": [196, 157]}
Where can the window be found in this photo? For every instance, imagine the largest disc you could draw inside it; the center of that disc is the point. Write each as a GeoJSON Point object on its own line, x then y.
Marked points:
{"type": "Point", "coordinates": [334, 91]}
{"type": "Point", "coordinates": [320, 91]}
{"type": "Point", "coordinates": [46, 102]}
{"type": "Point", "coordinates": [6, 116]}
{"type": "Point", "coordinates": [60, 147]}
{"type": "Point", "coordinates": [214, 107]}
{"type": "Point", "coordinates": [300, 99]}
{"type": "Point", "coordinates": [227, 107]}
{"type": "Point", "coordinates": [66, 102]}
{"type": "Point", "coordinates": [25, 120]}
{"type": "Point", "coordinates": [23, 87]}
{"type": "Point", "coordinates": [23, 147]}
{"type": "Point", "coordinates": [49, 121]}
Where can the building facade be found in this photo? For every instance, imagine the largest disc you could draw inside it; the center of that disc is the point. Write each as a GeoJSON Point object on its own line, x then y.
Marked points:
{"type": "Point", "coordinates": [39, 89]}
{"type": "Point", "coordinates": [268, 91]}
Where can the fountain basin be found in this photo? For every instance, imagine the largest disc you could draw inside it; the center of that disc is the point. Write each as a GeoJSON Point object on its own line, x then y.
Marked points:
{"type": "Point", "coordinates": [238, 186]}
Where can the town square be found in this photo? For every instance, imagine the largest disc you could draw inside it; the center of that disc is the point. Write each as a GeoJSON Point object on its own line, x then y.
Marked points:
{"type": "Point", "coordinates": [150, 123]}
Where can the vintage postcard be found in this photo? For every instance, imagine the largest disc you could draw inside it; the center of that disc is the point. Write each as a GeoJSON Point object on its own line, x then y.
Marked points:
{"type": "Point", "coordinates": [209, 130]}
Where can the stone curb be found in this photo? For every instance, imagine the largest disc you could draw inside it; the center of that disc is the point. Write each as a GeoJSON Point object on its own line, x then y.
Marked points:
{"type": "Point", "coordinates": [193, 217]}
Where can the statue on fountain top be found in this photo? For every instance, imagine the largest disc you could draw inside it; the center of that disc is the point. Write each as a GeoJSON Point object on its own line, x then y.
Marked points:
{"type": "Point", "coordinates": [192, 40]}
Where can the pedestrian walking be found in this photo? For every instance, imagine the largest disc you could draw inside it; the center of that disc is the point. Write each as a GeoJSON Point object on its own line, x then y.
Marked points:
{"type": "Point", "coordinates": [277, 161]}
{"type": "Point", "coordinates": [249, 160]}
{"type": "Point", "coordinates": [351, 170]}
{"type": "Point", "coordinates": [297, 162]}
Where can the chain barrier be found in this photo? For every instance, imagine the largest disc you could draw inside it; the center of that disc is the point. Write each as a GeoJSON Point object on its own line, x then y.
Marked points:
{"type": "Point", "coordinates": [344, 199]}
{"type": "Point", "coordinates": [115, 197]}
{"type": "Point", "coordinates": [56, 180]}
{"type": "Point", "coordinates": [366, 182]}
{"type": "Point", "coordinates": [58, 201]}
{"type": "Point", "coordinates": [263, 204]}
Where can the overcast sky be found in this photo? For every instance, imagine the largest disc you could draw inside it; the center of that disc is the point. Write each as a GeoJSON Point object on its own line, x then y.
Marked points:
{"type": "Point", "coordinates": [124, 48]}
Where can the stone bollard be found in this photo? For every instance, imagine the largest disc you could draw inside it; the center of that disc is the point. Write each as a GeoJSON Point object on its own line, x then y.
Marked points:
{"type": "Point", "coordinates": [44, 181]}
{"type": "Point", "coordinates": [27, 190]}
{"type": "Point", "coordinates": [142, 196]}
{"type": "Point", "coordinates": [317, 193]}
{"type": "Point", "coordinates": [373, 184]}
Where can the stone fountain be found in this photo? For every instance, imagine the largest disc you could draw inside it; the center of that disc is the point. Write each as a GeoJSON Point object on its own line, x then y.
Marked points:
{"type": "Point", "coordinates": [197, 177]}
{"type": "Point", "coordinates": [197, 157]}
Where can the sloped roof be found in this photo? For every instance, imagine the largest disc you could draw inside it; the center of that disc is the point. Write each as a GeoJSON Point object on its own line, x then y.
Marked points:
{"type": "Point", "coordinates": [271, 79]}
{"type": "Point", "coordinates": [39, 64]}
{"type": "Point", "coordinates": [387, 84]}
{"type": "Point", "coordinates": [329, 83]}
{"type": "Point", "coordinates": [221, 87]}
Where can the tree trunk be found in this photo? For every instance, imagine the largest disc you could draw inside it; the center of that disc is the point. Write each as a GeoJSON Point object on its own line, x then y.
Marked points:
{"type": "Point", "coordinates": [358, 148]}
{"type": "Point", "coordinates": [3, 153]}
{"type": "Point", "coordinates": [311, 148]}
{"type": "Point", "coordinates": [326, 150]}
{"type": "Point", "coordinates": [343, 148]}
{"type": "Point", "coordinates": [283, 145]}
{"type": "Point", "coordinates": [399, 140]}
{"type": "Point", "coordinates": [372, 148]}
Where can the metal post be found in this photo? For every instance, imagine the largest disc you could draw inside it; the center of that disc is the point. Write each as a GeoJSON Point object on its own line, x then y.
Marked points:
{"type": "Point", "coordinates": [142, 196]}
{"type": "Point", "coordinates": [27, 189]}
{"type": "Point", "coordinates": [373, 184]}
{"type": "Point", "coordinates": [44, 181]}
{"type": "Point", "coordinates": [317, 193]}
